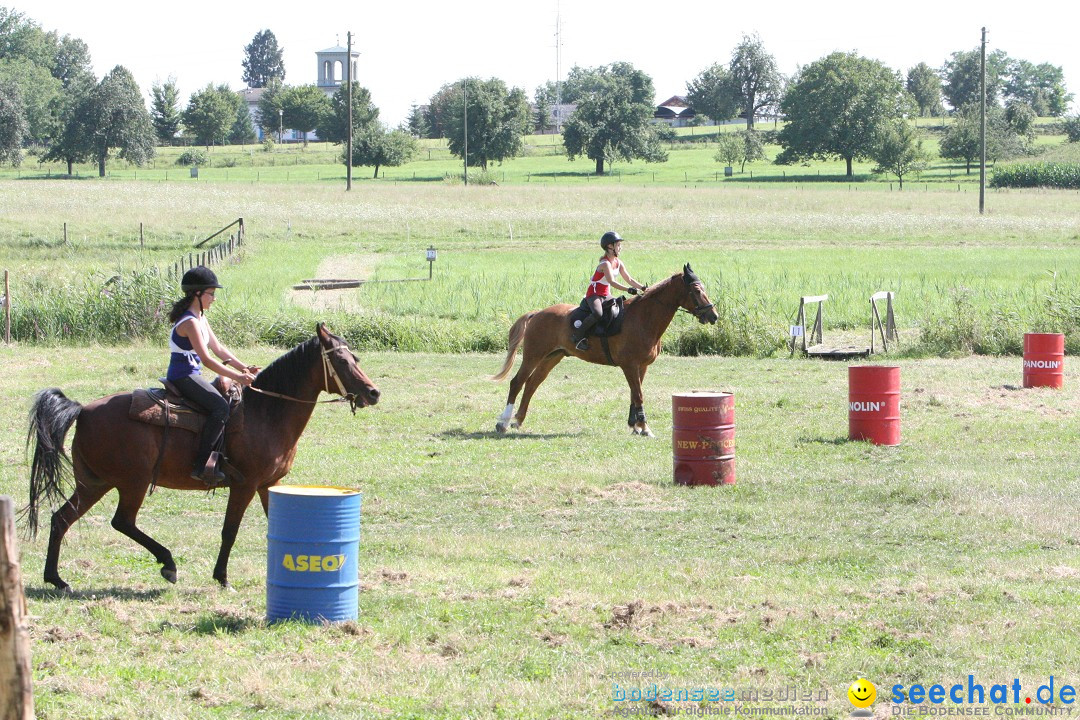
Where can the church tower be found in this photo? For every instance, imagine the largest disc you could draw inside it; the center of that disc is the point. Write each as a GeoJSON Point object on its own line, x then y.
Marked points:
{"type": "Point", "coordinates": [332, 69]}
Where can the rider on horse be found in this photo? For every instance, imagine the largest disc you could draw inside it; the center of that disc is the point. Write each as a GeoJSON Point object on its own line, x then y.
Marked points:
{"type": "Point", "coordinates": [600, 284]}
{"type": "Point", "coordinates": [190, 343]}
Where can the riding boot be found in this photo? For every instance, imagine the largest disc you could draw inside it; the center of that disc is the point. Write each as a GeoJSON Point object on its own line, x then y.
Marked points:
{"type": "Point", "coordinates": [580, 337]}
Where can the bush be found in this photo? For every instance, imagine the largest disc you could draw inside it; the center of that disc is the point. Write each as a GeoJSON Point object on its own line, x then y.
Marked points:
{"type": "Point", "coordinates": [194, 156]}
{"type": "Point", "coordinates": [1072, 128]}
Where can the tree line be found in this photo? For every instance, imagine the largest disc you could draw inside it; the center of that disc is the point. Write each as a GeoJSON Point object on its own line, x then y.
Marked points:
{"type": "Point", "coordinates": [841, 106]}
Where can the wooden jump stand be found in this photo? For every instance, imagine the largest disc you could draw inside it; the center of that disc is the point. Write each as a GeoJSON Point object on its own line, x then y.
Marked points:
{"type": "Point", "coordinates": [817, 346]}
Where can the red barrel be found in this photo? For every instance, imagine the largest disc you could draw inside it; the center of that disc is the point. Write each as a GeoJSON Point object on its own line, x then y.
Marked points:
{"type": "Point", "coordinates": [874, 404]}
{"type": "Point", "coordinates": [703, 437]}
{"type": "Point", "coordinates": [1044, 360]}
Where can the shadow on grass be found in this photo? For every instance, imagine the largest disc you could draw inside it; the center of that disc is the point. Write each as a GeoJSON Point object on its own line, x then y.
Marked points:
{"type": "Point", "coordinates": [118, 593]}
{"type": "Point", "coordinates": [462, 434]}
{"type": "Point", "coordinates": [57, 176]}
{"type": "Point", "coordinates": [226, 624]}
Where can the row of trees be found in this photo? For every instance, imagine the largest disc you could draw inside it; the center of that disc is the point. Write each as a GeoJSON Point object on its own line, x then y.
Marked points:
{"type": "Point", "coordinates": [843, 105]}
{"type": "Point", "coordinates": [50, 99]}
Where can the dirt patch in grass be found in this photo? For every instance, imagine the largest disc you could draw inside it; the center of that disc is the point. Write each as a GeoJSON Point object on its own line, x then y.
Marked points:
{"type": "Point", "coordinates": [337, 267]}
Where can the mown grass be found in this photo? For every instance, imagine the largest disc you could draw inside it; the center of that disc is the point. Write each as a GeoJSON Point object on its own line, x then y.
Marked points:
{"type": "Point", "coordinates": [497, 572]}
{"type": "Point", "coordinates": [964, 282]}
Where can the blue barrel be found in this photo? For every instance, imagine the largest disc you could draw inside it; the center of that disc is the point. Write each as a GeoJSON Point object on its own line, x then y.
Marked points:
{"type": "Point", "coordinates": [312, 571]}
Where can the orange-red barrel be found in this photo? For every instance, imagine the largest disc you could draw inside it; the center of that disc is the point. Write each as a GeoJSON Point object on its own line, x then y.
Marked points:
{"type": "Point", "coordinates": [703, 437]}
{"type": "Point", "coordinates": [874, 403]}
{"type": "Point", "coordinates": [1044, 360]}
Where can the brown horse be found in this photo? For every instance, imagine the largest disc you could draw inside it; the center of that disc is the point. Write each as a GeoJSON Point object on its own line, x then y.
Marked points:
{"type": "Point", "coordinates": [110, 450]}
{"type": "Point", "coordinates": [547, 337]}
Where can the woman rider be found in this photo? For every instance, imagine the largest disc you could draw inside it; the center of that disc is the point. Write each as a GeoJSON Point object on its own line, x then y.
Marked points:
{"type": "Point", "coordinates": [603, 279]}
{"type": "Point", "coordinates": [191, 342]}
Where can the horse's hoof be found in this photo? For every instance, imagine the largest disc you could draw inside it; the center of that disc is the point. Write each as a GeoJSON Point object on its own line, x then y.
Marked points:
{"type": "Point", "coordinates": [500, 427]}
{"type": "Point", "coordinates": [514, 424]}
{"type": "Point", "coordinates": [169, 574]}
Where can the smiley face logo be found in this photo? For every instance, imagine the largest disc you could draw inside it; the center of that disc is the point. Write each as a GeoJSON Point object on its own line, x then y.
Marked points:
{"type": "Point", "coordinates": [862, 693]}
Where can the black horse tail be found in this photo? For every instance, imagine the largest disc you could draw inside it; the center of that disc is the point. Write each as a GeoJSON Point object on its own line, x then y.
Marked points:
{"type": "Point", "coordinates": [51, 416]}
{"type": "Point", "coordinates": [517, 334]}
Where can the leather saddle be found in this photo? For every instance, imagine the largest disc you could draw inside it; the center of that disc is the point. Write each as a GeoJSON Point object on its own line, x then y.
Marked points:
{"type": "Point", "coordinates": [166, 407]}
{"type": "Point", "coordinates": [609, 325]}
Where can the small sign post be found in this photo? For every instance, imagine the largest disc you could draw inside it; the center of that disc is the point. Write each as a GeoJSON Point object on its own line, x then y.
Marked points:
{"type": "Point", "coordinates": [432, 254]}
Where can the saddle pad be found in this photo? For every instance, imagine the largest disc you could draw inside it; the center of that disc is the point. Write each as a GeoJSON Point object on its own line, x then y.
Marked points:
{"type": "Point", "coordinates": [608, 326]}
{"type": "Point", "coordinates": [148, 406]}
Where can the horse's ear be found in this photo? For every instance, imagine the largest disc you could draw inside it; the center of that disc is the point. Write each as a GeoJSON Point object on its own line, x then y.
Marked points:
{"type": "Point", "coordinates": [321, 331]}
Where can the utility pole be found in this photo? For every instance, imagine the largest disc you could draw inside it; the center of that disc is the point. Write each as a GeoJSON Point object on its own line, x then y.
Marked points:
{"type": "Point", "coordinates": [558, 70]}
{"type": "Point", "coordinates": [348, 95]}
{"type": "Point", "coordinates": [465, 106]}
{"type": "Point", "coordinates": [982, 123]}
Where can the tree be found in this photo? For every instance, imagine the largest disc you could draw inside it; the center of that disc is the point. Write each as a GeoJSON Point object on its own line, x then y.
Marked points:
{"type": "Point", "coordinates": [417, 122]}
{"type": "Point", "coordinates": [242, 131]}
{"type": "Point", "coordinates": [755, 80]}
{"type": "Point", "coordinates": [712, 93]}
{"type": "Point", "coordinates": [117, 118]}
{"type": "Point", "coordinates": [304, 106]}
{"type": "Point", "coordinates": [209, 115]}
{"type": "Point", "coordinates": [72, 61]}
{"type": "Point", "coordinates": [37, 90]}
{"type": "Point", "coordinates": [74, 138]}
{"type": "Point", "coordinates": [730, 149]}
{"type": "Point", "coordinates": [924, 85]}
{"type": "Point", "coordinates": [165, 110]}
{"type": "Point", "coordinates": [498, 120]}
{"type": "Point", "coordinates": [961, 74]}
{"type": "Point", "coordinates": [613, 118]}
{"type": "Point", "coordinates": [753, 148]}
{"type": "Point", "coordinates": [334, 125]}
{"type": "Point", "coordinates": [377, 146]}
{"type": "Point", "coordinates": [263, 60]}
{"type": "Point", "coordinates": [542, 106]}
{"type": "Point", "coordinates": [12, 123]}
{"type": "Point", "coordinates": [1040, 86]}
{"type": "Point", "coordinates": [438, 109]}
{"type": "Point", "coordinates": [836, 106]}
{"type": "Point", "coordinates": [269, 112]}
{"type": "Point", "coordinates": [899, 151]}
{"type": "Point", "coordinates": [961, 139]}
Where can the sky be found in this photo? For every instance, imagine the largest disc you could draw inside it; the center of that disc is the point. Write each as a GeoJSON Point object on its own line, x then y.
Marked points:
{"type": "Point", "coordinates": [409, 50]}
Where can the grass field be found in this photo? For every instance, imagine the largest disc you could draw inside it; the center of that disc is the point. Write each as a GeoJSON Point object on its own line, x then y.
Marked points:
{"type": "Point", "coordinates": [520, 576]}
{"type": "Point", "coordinates": [515, 576]}
{"type": "Point", "coordinates": [507, 250]}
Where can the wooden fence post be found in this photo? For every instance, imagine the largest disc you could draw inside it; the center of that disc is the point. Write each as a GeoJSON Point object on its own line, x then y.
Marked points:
{"type": "Point", "coordinates": [16, 692]}
{"type": "Point", "coordinates": [7, 310]}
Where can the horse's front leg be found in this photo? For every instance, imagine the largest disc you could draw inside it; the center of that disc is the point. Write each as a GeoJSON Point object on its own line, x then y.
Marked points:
{"type": "Point", "coordinates": [636, 420]}
{"type": "Point", "coordinates": [239, 498]}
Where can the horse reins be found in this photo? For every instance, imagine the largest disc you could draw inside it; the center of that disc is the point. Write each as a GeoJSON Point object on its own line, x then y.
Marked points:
{"type": "Point", "coordinates": [328, 372]}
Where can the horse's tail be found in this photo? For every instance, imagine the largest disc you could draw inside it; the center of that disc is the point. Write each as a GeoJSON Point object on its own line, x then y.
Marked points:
{"type": "Point", "coordinates": [517, 334]}
{"type": "Point", "coordinates": [51, 416]}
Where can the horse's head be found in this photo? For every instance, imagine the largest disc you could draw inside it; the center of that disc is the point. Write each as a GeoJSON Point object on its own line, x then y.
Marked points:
{"type": "Point", "coordinates": [697, 303]}
{"type": "Point", "coordinates": [342, 373]}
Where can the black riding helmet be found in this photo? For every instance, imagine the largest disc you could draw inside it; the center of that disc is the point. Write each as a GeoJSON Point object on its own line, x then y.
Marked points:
{"type": "Point", "coordinates": [609, 238]}
{"type": "Point", "coordinates": [199, 278]}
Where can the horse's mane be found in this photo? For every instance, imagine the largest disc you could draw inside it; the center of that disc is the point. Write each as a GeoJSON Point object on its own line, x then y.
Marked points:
{"type": "Point", "coordinates": [655, 288]}
{"type": "Point", "coordinates": [284, 373]}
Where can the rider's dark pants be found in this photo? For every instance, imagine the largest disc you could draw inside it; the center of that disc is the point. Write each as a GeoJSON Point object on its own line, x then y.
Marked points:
{"type": "Point", "coordinates": [196, 389]}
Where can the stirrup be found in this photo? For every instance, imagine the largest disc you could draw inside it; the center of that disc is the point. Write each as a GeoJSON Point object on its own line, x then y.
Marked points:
{"type": "Point", "coordinates": [582, 344]}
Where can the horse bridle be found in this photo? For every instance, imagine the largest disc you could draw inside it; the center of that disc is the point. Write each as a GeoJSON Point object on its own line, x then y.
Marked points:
{"type": "Point", "coordinates": [328, 372]}
{"type": "Point", "coordinates": [700, 309]}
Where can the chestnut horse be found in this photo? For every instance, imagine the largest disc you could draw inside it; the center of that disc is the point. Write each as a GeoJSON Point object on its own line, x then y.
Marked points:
{"type": "Point", "coordinates": [110, 450]}
{"type": "Point", "coordinates": [547, 337]}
